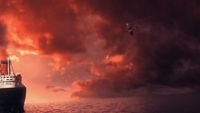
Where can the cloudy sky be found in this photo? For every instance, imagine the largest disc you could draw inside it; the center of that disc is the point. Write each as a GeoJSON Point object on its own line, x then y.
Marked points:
{"type": "Point", "coordinates": [81, 48]}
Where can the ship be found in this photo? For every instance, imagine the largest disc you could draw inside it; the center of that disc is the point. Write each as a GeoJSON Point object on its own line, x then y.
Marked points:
{"type": "Point", "coordinates": [12, 90]}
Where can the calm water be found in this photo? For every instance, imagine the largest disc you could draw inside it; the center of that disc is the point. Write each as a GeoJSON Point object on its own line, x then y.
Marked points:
{"type": "Point", "coordinates": [139, 104]}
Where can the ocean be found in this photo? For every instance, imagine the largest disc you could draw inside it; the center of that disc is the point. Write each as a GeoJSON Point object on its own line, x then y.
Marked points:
{"type": "Point", "coordinates": [137, 104]}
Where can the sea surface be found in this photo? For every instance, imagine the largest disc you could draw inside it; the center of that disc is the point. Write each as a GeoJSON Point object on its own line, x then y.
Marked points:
{"type": "Point", "coordinates": [137, 104]}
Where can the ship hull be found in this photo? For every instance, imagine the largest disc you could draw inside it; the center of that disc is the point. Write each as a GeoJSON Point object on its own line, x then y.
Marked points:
{"type": "Point", "coordinates": [12, 99]}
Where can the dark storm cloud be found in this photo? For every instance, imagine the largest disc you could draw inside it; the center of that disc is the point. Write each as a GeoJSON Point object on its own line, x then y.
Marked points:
{"type": "Point", "coordinates": [165, 48]}
{"type": "Point", "coordinates": [168, 13]}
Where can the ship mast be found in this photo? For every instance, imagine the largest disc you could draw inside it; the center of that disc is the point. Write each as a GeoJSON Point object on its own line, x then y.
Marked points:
{"type": "Point", "coordinates": [8, 61]}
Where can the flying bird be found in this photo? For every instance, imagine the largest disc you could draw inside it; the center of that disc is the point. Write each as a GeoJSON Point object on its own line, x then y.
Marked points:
{"type": "Point", "coordinates": [130, 28]}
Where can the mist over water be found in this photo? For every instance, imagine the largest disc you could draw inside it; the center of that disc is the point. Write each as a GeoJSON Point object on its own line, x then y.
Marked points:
{"type": "Point", "coordinates": [185, 103]}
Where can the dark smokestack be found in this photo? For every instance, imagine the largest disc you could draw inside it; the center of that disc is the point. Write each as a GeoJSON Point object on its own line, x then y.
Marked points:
{"type": "Point", "coordinates": [4, 67]}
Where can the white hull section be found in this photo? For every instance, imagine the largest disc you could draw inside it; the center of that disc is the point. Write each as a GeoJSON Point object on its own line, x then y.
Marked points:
{"type": "Point", "coordinates": [7, 84]}
{"type": "Point", "coordinates": [8, 79]}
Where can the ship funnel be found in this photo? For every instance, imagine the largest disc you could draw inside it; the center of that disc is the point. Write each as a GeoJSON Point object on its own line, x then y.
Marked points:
{"type": "Point", "coordinates": [5, 67]}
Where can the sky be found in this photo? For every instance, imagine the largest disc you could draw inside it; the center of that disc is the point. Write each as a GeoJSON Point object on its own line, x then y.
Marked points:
{"type": "Point", "coordinates": [68, 49]}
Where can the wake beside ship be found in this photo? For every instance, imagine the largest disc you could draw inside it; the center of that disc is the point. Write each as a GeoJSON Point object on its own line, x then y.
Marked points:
{"type": "Point", "coordinates": [12, 91]}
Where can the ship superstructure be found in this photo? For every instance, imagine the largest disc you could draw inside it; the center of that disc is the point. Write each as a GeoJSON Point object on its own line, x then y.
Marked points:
{"type": "Point", "coordinates": [8, 79]}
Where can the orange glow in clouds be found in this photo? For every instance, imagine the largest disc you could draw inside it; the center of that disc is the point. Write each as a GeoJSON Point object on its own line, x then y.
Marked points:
{"type": "Point", "coordinates": [95, 71]}
{"type": "Point", "coordinates": [119, 58]}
